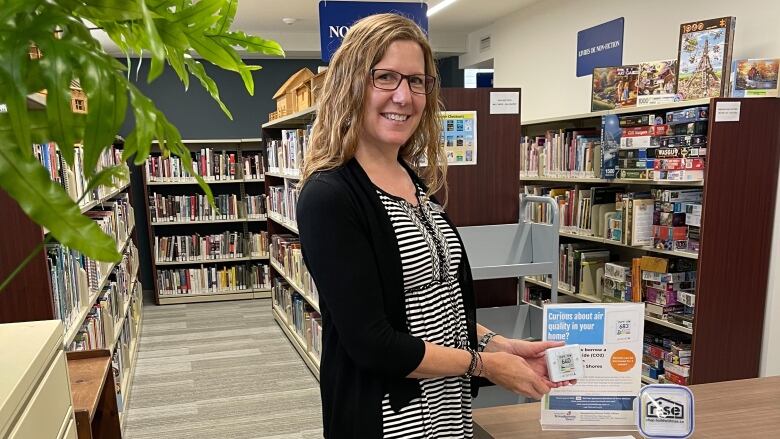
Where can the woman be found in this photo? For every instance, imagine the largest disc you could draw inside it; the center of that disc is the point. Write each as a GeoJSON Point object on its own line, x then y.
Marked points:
{"type": "Point", "coordinates": [400, 339]}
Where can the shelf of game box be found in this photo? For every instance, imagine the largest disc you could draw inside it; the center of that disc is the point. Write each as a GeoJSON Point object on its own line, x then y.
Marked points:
{"type": "Point", "coordinates": [626, 110]}
{"type": "Point", "coordinates": [214, 221]}
{"type": "Point", "coordinates": [621, 181]}
{"type": "Point", "coordinates": [75, 323]}
{"type": "Point", "coordinates": [312, 362]}
{"type": "Point", "coordinates": [585, 237]}
{"type": "Point", "coordinates": [648, 380]}
{"type": "Point", "coordinates": [284, 222]}
{"type": "Point", "coordinates": [192, 181]}
{"type": "Point", "coordinates": [586, 298]}
{"type": "Point", "coordinates": [279, 269]}
{"type": "Point", "coordinates": [213, 261]}
{"type": "Point", "coordinates": [294, 120]}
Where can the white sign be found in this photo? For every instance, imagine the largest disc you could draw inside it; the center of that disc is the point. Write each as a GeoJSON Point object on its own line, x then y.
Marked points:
{"type": "Point", "coordinates": [727, 111]}
{"type": "Point", "coordinates": [610, 338]}
{"type": "Point", "coordinates": [504, 102]}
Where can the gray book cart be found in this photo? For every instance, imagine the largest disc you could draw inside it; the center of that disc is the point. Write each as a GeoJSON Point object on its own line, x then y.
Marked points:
{"type": "Point", "coordinates": [513, 250]}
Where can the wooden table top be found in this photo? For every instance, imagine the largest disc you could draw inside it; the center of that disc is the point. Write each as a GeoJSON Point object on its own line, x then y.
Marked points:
{"type": "Point", "coordinates": [731, 409]}
{"type": "Point", "coordinates": [87, 371]}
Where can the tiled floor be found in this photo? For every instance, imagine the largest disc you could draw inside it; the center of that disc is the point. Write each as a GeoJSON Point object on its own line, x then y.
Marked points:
{"type": "Point", "coordinates": [220, 370]}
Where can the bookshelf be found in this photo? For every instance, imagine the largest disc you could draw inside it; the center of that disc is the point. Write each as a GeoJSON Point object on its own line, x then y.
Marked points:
{"type": "Point", "coordinates": [176, 207]}
{"type": "Point", "coordinates": [31, 295]}
{"type": "Point", "coordinates": [295, 307]}
{"type": "Point", "coordinates": [736, 225]}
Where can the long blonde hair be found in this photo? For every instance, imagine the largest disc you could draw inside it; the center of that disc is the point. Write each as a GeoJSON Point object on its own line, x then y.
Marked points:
{"type": "Point", "coordinates": [336, 130]}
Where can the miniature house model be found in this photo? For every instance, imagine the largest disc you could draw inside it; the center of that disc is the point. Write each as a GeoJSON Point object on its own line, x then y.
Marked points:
{"type": "Point", "coordinates": [287, 97]}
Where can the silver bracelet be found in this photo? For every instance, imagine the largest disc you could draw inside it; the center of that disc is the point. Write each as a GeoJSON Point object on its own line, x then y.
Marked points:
{"type": "Point", "coordinates": [483, 342]}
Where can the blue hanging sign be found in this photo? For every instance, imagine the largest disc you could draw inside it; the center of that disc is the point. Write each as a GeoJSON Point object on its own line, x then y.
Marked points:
{"type": "Point", "coordinates": [336, 17]}
{"type": "Point", "coordinates": [600, 46]}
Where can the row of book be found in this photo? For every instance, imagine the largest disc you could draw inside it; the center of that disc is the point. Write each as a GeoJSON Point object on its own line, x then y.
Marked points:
{"type": "Point", "coordinates": [286, 154]}
{"type": "Point", "coordinates": [286, 252]}
{"type": "Point", "coordinates": [211, 279]}
{"type": "Point", "coordinates": [72, 177]}
{"type": "Point", "coordinates": [300, 316]}
{"type": "Point", "coordinates": [669, 146]}
{"type": "Point", "coordinates": [214, 247]}
{"type": "Point", "coordinates": [665, 219]}
{"type": "Point", "coordinates": [74, 277]}
{"type": "Point", "coordinates": [99, 328]}
{"type": "Point", "coordinates": [667, 359]}
{"type": "Point", "coordinates": [283, 200]}
{"type": "Point", "coordinates": [210, 164]}
{"type": "Point", "coordinates": [183, 208]}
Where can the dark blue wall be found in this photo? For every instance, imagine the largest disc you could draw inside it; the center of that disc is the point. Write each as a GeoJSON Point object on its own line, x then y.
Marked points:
{"type": "Point", "coordinates": [197, 116]}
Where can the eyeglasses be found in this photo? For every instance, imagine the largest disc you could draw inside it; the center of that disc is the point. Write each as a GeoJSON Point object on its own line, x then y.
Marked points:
{"type": "Point", "coordinates": [384, 79]}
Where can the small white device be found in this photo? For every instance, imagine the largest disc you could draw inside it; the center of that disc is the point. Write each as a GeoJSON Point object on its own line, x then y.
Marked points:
{"type": "Point", "coordinates": [565, 363]}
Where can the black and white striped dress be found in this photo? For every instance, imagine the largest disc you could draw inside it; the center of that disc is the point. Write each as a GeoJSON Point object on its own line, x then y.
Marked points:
{"type": "Point", "coordinates": [430, 254]}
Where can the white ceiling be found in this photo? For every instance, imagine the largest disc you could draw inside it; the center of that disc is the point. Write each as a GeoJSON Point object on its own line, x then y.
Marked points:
{"type": "Point", "coordinates": [448, 28]}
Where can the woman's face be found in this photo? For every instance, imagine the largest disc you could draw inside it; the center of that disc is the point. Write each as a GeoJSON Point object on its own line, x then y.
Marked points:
{"type": "Point", "coordinates": [390, 117]}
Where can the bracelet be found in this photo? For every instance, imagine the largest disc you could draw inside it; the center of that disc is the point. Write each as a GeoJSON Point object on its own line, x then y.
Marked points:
{"type": "Point", "coordinates": [476, 366]}
{"type": "Point", "coordinates": [483, 342]}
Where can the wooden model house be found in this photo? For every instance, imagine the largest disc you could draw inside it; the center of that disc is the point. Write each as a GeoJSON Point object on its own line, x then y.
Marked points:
{"type": "Point", "coordinates": [287, 96]}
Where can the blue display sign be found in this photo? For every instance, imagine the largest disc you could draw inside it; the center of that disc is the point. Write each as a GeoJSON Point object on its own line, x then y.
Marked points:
{"type": "Point", "coordinates": [600, 46]}
{"type": "Point", "coordinates": [336, 17]}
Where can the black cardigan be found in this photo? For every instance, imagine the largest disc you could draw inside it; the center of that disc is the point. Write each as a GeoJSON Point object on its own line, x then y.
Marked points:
{"type": "Point", "coordinates": [351, 251]}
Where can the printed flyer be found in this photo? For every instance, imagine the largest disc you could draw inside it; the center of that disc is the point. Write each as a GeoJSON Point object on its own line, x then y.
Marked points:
{"type": "Point", "coordinates": [610, 339]}
{"type": "Point", "coordinates": [459, 137]}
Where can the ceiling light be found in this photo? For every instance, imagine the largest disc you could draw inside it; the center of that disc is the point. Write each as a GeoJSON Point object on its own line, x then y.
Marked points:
{"type": "Point", "coordinates": [289, 21]}
{"type": "Point", "coordinates": [439, 6]}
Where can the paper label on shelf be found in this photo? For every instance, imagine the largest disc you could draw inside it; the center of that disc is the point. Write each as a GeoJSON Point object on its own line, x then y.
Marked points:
{"type": "Point", "coordinates": [727, 111]}
{"type": "Point", "coordinates": [505, 102]}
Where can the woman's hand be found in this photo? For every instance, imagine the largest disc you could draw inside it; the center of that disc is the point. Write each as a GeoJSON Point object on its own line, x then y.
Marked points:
{"type": "Point", "coordinates": [534, 354]}
{"type": "Point", "coordinates": [514, 373]}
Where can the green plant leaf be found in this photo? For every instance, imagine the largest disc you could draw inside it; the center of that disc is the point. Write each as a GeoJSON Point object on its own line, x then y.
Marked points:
{"type": "Point", "coordinates": [56, 70]}
{"type": "Point", "coordinates": [227, 14]}
{"type": "Point", "coordinates": [47, 203]}
{"type": "Point", "coordinates": [199, 16]}
{"type": "Point", "coordinates": [156, 46]}
{"type": "Point", "coordinates": [197, 70]}
{"type": "Point", "coordinates": [101, 90]}
{"type": "Point", "coordinates": [251, 43]}
{"type": "Point", "coordinates": [111, 10]}
{"type": "Point", "coordinates": [12, 70]}
{"type": "Point", "coordinates": [214, 52]}
{"type": "Point", "coordinates": [106, 176]}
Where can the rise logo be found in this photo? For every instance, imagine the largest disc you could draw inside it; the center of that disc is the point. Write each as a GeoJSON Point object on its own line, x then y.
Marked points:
{"type": "Point", "coordinates": [662, 408]}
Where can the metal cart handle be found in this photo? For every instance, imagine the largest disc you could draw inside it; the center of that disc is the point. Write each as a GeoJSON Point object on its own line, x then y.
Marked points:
{"type": "Point", "coordinates": [525, 199]}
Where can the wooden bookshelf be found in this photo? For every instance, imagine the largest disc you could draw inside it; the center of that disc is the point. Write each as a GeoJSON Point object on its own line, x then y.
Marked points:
{"type": "Point", "coordinates": [736, 230]}
{"type": "Point", "coordinates": [314, 303]}
{"type": "Point", "coordinates": [241, 186]}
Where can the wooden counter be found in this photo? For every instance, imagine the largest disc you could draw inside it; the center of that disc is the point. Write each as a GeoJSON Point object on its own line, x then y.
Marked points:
{"type": "Point", "coordinates": [731, 409]}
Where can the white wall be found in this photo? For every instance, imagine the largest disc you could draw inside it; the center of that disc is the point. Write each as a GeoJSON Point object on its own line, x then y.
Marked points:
{"type": "Point", "coordinates": [535, 49]}
{"type": "Point", "coordinates": [770, 351]}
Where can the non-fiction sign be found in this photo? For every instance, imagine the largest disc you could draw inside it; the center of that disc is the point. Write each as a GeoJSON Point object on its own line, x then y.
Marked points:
{"type": "Point", "coordinates": [336, 17]}
{"type": "Point", "coordinates": [610, 338]}
{"type": "Point", "coordinates": [600, 46]}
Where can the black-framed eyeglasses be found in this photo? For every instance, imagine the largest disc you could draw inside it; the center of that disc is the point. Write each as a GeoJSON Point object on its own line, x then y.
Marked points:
{"type": "Point", "coordinates": [384, 79]}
